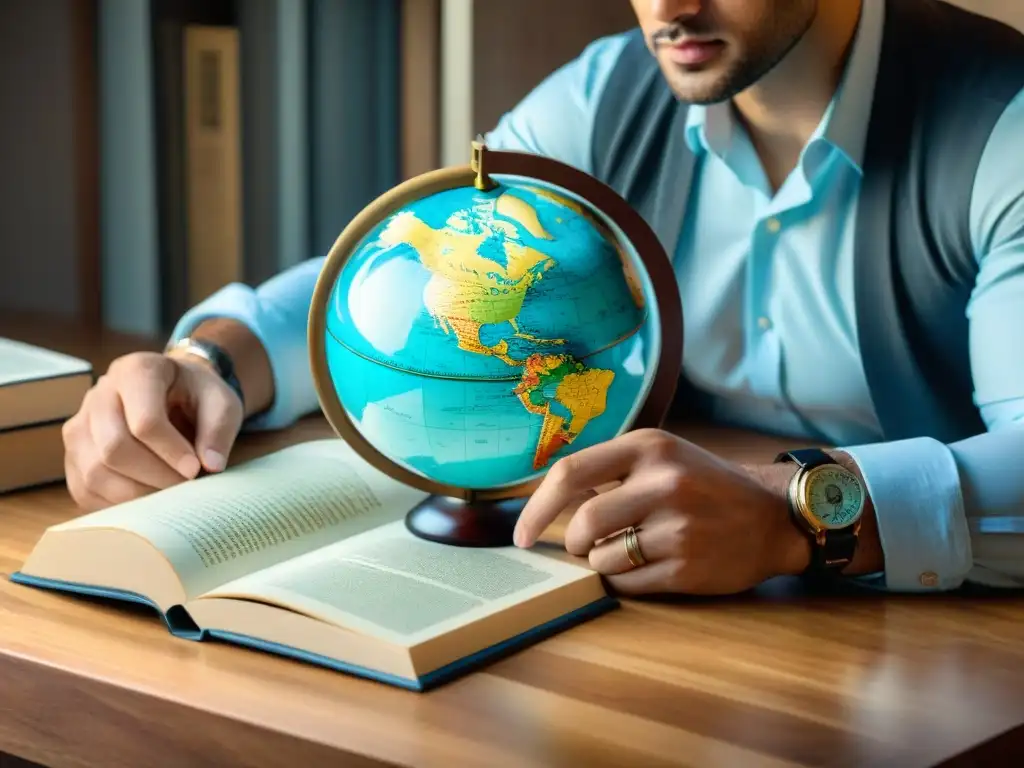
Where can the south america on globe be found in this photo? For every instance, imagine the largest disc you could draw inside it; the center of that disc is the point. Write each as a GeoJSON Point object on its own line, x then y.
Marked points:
{"type": "Point", "coordinates": [475, 336]}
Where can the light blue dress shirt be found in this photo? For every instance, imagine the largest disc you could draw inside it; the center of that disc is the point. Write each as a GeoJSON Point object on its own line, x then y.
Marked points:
{"type": "Point", "coordinates": [766, 281]}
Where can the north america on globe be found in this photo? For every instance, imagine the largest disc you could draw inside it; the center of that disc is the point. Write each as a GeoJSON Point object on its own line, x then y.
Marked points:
{"type": "Point", "coordinates": [470, 288]}
{"type": "Point", "coordinates": [477, 334]}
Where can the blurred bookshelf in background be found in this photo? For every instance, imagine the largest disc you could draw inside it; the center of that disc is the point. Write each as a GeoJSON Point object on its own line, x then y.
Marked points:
{"type": "Point", "coordinates": [154, 150]}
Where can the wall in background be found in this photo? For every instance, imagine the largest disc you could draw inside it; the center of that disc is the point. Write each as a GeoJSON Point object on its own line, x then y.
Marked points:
{"type": "Point", "coordinates": [494, 53]}
{"type": "Point", "coordinates": [518, 44]}
{"type": "Point", "coordinates": [48, 228]}
{"type": "Point", "coordinates": [1009, 11]}
{"type": "Point", "coordinates": [420, 110]}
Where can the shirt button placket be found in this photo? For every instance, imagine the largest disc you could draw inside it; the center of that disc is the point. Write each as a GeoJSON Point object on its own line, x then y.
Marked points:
{"type": "Point", "coordinates": [773, 226]}
{"type": "Point", "coordinates": [763, 370]}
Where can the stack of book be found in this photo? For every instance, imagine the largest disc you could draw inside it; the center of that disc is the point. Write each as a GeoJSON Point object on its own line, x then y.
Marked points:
{"type": "Point", "coordinates": [39, 390]}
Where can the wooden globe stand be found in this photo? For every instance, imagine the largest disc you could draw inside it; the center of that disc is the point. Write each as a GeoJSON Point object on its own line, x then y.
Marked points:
{"type": "Point", "coordinates": [465, 523]}
{"type": "Point", "coordinates": [486, 517]}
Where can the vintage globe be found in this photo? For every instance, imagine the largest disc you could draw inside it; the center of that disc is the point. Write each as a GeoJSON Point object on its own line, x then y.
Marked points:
{"type": "Point", "coordinates": [468, 330]}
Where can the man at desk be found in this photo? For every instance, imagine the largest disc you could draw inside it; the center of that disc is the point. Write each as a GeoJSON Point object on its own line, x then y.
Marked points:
{"type": "Point", "coordinates": [841, 187]}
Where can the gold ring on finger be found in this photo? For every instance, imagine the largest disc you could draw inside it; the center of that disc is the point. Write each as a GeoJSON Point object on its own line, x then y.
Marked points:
{"type": "Point", "coordinates": [632, 544]}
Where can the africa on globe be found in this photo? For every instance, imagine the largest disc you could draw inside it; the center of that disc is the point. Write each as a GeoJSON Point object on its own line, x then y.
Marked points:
{"type": "Point", "coordinates": [470, 328]}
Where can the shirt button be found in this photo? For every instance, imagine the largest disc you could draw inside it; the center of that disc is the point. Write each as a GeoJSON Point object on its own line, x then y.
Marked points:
{"type": "Point", "coordinates": [764, 323]}
{"type": "Point", "coordinates": [929, 579]}
{"type": "Point", "coordinates": [774, 225]}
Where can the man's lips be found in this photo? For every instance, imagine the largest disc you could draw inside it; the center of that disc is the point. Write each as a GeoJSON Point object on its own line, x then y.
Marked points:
{"type": "Point", "coordinates": [693, 51]}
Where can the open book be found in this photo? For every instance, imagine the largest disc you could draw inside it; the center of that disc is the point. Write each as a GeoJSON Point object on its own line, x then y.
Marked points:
{"type": "Point", "coordinates": [304, 552]}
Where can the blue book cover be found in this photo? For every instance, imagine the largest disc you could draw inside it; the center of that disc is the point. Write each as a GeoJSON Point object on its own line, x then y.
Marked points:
{"type": "Point", "coordinates": [180, 624]}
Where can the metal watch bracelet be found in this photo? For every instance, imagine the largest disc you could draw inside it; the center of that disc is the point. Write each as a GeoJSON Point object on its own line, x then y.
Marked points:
{"type": "Point", "coordinates": [217, 357]}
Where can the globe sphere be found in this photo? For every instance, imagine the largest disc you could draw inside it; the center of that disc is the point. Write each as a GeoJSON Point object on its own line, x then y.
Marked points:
{"type": "Point", "coordinates": [473, 336]}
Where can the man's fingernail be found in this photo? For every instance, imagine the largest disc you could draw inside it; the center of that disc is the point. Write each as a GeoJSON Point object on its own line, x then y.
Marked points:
{"type": "Point", "coordinates": [215, 461]}
{"type": "Point", "coordinates": [519, 538]}
{"type": "Point", "coordinates": [189, 466]}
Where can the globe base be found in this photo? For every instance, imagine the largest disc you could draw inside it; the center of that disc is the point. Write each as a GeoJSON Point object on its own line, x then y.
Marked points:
{"type": "Point", "coordinates": [465, 523]}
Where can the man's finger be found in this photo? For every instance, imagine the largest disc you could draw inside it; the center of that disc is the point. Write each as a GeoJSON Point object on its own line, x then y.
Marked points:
{"type": "Point", "coordinates": [654, 538]}
{"type": "Point", "coordinates": [82, 496]}
{"type": "Point", "coordinates": [218, 419]}
{"type": "Point", "coordinates": [119, 449]}
{"type": "Point", "coordinates": [113, 487]}
{"type": "Point", "coordinates": [611, 511]}
{"type": "Point", "coordinates": [569, 477]}
{"type": "Point", "coordinates": [659, 576]}
{"type": "Point", "coordinates": [146, 413]}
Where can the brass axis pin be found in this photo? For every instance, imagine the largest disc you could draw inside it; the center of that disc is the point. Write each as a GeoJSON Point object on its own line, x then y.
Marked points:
{"type": "Point", "coordinates": [482, 180]}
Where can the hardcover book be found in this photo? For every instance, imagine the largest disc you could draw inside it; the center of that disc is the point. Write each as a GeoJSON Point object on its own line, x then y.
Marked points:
{"type": "Point", "coordinates": [39, 390]}
{"type": "Point", "coordinates": [39, 386]}
{"type": "Point", "coordinates": [304, 553]}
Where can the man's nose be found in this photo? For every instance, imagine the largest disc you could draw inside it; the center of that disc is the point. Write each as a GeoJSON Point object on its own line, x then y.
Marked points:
{"type": "Point", "coordinates": [669, 10]}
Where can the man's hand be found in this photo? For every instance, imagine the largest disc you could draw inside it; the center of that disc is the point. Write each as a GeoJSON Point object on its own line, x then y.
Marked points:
{"type": "Point", "coordinates": [150, 422]}
{"type": "Point", "coordinates": [704, 525]}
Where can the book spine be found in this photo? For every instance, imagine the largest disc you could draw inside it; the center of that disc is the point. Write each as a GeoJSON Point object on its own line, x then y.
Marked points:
{"type": "Point", "coordinates": [276, 142]}
{"type": "Point", "coordinates": [213, 176]}
{"type": "Point", "coordinates": [129, 254]}
{"type": "Point", "coordinates": [354, 60]}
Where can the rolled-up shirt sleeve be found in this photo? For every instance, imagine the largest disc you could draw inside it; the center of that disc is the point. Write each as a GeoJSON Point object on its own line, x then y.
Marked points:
{"type": "Point", "coordinates": [277, 313]}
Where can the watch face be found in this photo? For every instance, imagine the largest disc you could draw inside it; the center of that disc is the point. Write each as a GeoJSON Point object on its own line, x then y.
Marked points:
{"type": "Point", "coordinates": [834, 496]}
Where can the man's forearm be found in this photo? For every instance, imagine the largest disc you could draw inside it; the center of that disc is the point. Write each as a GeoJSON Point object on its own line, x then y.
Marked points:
{"type": "Point", "coordinates": [252, 366]}
{"type": "Point", "coordinates": [869, 557]}
{"type": "Point", "coordinates": [272, 358]}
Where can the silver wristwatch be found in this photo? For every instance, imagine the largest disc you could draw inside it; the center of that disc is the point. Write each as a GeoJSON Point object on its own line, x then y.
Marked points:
{"type": "Point", "coordinates": [216, 356]}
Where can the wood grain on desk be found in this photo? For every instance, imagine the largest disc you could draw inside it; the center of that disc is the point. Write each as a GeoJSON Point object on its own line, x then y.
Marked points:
{"type": "Point", "coordinates": [779, 677]}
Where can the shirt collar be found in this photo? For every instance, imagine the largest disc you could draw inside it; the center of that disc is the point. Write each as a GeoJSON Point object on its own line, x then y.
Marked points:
{"type": "Point", "coordinates": [845, 122]}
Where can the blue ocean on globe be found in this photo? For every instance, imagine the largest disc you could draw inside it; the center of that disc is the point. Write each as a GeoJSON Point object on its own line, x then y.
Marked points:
{"type": "Point", "coordinates": [476, 336]}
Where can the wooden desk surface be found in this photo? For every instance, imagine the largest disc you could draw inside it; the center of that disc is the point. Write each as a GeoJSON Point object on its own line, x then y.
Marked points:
{"type": "Point", "coordinates": [778, 677]}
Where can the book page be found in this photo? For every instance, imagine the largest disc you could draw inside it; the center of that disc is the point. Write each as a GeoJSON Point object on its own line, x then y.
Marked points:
{"type": "Point", "coordinates": [222, 526]}
{"type": "Point", "coordinates": [389, 583]}
{"type": "Point", "coordinates": [20, 361]}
